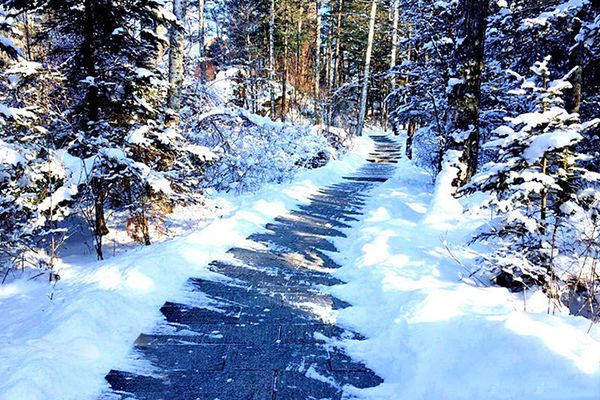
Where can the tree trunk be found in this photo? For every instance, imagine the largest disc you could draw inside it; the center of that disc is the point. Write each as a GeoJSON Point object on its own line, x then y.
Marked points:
{"type": "Point", "coordinates": [93, 113]}
{"type": "Point", "coordinates": [365, 85]}
{"type": "Point", "coordinates": [338, 41]}
{"type": "Point", "coordinates": [393, 53]}
{"type": "Point", "coordinates": [462, 121]}
{"type": "Point", "coordinates": [176, 58]}
{"type": "Point", "coordinates": [329, 59]}
{"type": "Point", "coordinates": [410, 134]}
{"type": "Point", "coordinates": [272, 56]}
{"type": "Point", "coordinates": [298, 71]}
{"type": "Point", "coordinates": [395, 34]}
{"type": "Point", "coordinates": [201, 39]}
{"type": "Point", "coordinates": [285, 65]}
{"type": "Point", "coordinates": [100, 228]}
{"type": "Point", "coordinates": [318, 50]}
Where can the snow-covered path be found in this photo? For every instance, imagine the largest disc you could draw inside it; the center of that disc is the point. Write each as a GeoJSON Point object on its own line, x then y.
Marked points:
{"type": "Point", "coordinates": [262, 331]}
{"type": "Point", "coordinates": [398, 320]}
{"type": "Point", "coordinates": [434, 333]}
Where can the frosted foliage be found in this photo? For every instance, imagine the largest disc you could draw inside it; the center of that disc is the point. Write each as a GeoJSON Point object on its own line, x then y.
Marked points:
{"type": "Point", "coordinates": [543, 231]}
{"type": "Point", "coordinates": [250, 150]}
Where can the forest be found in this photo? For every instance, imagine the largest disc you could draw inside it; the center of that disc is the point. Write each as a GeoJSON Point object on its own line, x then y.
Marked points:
{"type": "Point", "coordinates": [128, 124]}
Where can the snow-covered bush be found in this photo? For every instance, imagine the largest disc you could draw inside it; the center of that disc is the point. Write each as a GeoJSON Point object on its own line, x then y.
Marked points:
{"type": "Point", "coordinates": [427, 150]}
{"type": "Point", "coordinates": [544, 204]}
{"type": "Point", "coordinates": [253, 150]}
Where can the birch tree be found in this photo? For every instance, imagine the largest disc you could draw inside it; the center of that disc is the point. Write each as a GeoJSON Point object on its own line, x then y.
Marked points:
{"type": "Point", "coordinates": [396, 8]}
{"type": "Point", "coordinates": [366, 77]}
{"type": "Point", "coordinates": [272, 56]}
{"type": "Point", "coordinates": [176, 57]}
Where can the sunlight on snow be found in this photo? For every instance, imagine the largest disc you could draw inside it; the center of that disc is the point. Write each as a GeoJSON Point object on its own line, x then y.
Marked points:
{"type": "Point", "coordinates": [380, 214]}
{"type": "Point", "coordinates": [563, 339]}
{"type": "Point", "coordinates": [136, 280]}
{"type": "Point", "coordinates": [7, 291]}
{"type": "Point", "coordinates": [270, 208]}
{"type": "Point", "coordinates": [301, 190]}
{"type": "Point", "coordinates": [378, 250]}
{"type": "Point", "coordinates": [112, 278]}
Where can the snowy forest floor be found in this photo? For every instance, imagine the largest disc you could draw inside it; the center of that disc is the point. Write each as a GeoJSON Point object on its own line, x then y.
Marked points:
{"type": "Point", "coordinates": [429, 333]}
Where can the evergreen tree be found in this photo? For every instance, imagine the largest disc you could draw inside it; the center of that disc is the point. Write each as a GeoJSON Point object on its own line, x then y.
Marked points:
{"type": "Point", "coordinates": [532, 186]}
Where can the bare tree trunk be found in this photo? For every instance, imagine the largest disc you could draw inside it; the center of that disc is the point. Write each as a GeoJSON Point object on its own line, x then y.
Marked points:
{"type": "Point", "coordinates": [393, 54]}
{"type": "Point", "coordinates": [176, 58]}
{"type": "Point", "coordinates": [338, 37]}
{"type": "Point", "coordinates": [100, 228]}
{"type": "Point", "coordinates": [201, 39]}
{"type": "Point", "coordinates": [462, 121]}
{"type": "Point", "coordinates": [329, 58]}
{"type": "Point", "coordinates": [318, 50]}
{"type": "Point", "coordinates": [365, 85]}
{"type": "Point", "coordinates": [410, 133]}
{"type": "Point", "coordinates": [285, 64]}
{"type": "Point", "coordinates": [395, 34]}
{"type": "Point", "coordinates": [298, 72]}
{"type": "Point", "coordinates": [272, 56]}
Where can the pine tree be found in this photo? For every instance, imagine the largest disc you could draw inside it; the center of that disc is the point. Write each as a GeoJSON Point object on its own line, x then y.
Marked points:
{"type": "Point", "coordinates": [530, 185]}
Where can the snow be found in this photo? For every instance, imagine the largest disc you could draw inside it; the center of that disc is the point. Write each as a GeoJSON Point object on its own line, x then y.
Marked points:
{"type": "Point", "coordinates": [453, 82]}
{"type": "Point", "coordinates": [15, 113]}
{"type": "Point", "coordinates": [74, 172]}
{"type": "Point", "coordinates": [159, 183]}
{"type": "Point", "coordinates": [77, 170]}
{"type": "Point", "coordinates": [167, 136]}
{"type": "Point", "coordinates": [142, 73]}
{"type": "Point", "coordinates": [138, 136]}
{"type": "Point", "coordinates": [6, 111]}
{"type": "Point", "coordinates": [58, 342]}
{"type": "Point", "coordinates": [202, 152]}
{"type": "Point", "coordinates": [556, 139]}
{"type": "Point", "coordinates": [224, 84]}
{"type": "Point", "coordinates": [560, 11]}
{"type": "Point", "coordinates": [432, 332]}
{"type": "Point", "coordinates": [8, 154]}
{"type": "Point", "coordinates": [6, 43]}
{"type": "Point", "coordinates": [24, 68]}
{"type": "Point", "coordinates": [61, 194]}
{"type": "Point", "coordinates": [445, 208]}
{"type": "Point", "coordinates": [114, 154]}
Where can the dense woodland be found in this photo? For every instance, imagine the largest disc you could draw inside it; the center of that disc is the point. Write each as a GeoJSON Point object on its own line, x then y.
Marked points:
{"type": "Point", "coordinates": [116, 108]}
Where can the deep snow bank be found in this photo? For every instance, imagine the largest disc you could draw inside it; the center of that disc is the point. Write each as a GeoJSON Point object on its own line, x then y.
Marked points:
{"type": "Point", "coordinates": [432, 334]}
{"type": "Point", "coordinates": [59, 342]}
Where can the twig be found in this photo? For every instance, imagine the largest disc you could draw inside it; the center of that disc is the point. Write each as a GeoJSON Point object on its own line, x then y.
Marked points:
{"type": "Point", "coordinates": [459, 262]}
